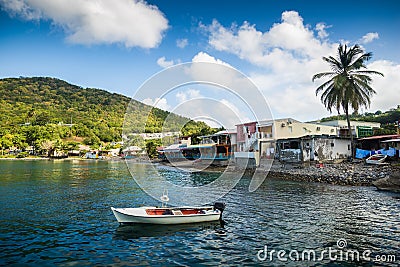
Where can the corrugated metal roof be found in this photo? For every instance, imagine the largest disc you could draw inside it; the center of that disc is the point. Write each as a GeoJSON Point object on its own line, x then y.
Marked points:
{"type": "Point", "coordinates": [391, 140]}
{"type": "Point", "coordinates": [381, 137]}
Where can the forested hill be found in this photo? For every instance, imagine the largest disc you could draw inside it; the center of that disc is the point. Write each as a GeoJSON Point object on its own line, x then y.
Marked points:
{"type": "Point", "coordinates": [42, 104]}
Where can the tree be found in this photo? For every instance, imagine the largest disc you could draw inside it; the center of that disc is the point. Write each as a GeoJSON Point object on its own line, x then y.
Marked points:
{"type": "Point", "coordinates": [70, 146]}
{"type": "Point", "coordinates": [349, 82]}
{"type": "Point", "coordinates": [151, 147]}
{"type": "Point", "coordinates": [92, 140]}
{"type": "Point", "coordinates": [19, 141]}
{"type": "Point", "coordinates": [6, 142]}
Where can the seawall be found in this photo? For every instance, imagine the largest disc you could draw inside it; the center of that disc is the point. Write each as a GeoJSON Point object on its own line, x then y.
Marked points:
{"type": "Point", "coordinates": [359, 173]}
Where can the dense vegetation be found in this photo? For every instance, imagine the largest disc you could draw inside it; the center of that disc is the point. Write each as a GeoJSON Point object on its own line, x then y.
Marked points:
{"type": "Point", "coordinates": [387, 119]}
{"type": "Point", "coordinates": [42, 111]}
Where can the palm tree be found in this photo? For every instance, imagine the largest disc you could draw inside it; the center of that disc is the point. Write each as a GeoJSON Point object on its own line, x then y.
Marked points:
{"type": "Point", "coordinates": [349, 82]}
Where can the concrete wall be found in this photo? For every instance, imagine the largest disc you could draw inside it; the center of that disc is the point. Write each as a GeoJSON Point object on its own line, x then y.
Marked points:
{"type": "Point", "coordinates": [246, 160]}
{"type": "Point", "coordinates": [291, 155]}
{"type": "Point", "coordinates": [329, 149]}
{"type": "Point", "coordinates": [298, 129]}
{"type": "Point", "coordinates": [316, 148]}
{"type": "Point", "coordinates": [233, 137]}
{"type": "Point", "coordinates": [267, 149]}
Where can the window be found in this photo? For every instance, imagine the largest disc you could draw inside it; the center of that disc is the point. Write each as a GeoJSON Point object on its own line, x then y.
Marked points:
{"type": "Point", "coordinates": [294, 145]}
{"type": "Point", "coordinates": [364, 131]}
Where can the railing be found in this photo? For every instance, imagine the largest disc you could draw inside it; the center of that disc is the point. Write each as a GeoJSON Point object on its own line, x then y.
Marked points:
{"type": "Point", "coordinates": [262, 135]}
{"type": "Point", "coordinates": [250, 142]}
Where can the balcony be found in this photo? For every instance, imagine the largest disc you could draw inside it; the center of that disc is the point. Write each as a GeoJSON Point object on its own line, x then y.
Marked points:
{"type": "Point", "coordinates": [263, 135]}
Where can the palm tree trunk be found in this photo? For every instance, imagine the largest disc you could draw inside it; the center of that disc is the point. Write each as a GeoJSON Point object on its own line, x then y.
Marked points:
{"type": "Point", "coordinates": [346, 110]}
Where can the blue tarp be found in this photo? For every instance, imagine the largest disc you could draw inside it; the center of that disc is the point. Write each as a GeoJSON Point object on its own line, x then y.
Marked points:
{"type": "Point", "coordinates": [361, 153]}
{"type": "Point", "coordinates": [391, 152]}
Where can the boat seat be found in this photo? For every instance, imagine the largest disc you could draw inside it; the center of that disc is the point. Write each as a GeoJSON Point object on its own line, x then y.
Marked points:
{"type": "Point", "coordinates": [177, 212]}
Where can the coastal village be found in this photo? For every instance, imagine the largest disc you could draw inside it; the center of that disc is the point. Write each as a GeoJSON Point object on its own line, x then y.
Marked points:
{"type": "Point", "coordinates": [289, 141]}
{"type": "Point", "coordinates": [290, 149]}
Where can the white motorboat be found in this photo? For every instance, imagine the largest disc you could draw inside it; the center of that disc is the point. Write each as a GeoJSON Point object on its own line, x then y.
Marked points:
{"type": "Point", "coordinates": [169, 215]}
{"type": "Point", "coordinates": [376, 159]}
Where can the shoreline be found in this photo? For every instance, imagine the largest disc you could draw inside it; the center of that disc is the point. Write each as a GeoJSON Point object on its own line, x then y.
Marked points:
{"type": "Point", "coordinates": [345, 173]}
{"type": "Point", "coordinates": [352, 174]}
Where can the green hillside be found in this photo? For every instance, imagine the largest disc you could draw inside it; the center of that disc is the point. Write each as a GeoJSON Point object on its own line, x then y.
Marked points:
{"type": "Point", "coordinates": [39, 109]}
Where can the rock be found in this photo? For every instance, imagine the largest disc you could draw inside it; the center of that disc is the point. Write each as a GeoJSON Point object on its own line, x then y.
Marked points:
{"type": "Point", "coordinates": [390, 183]}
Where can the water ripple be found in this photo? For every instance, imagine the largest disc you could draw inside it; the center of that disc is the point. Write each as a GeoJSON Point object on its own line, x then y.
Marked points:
{"type": "Point", "coordinates": [58, 214]}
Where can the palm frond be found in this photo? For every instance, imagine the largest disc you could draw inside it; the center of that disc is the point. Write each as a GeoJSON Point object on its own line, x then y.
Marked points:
{"type": "Point", "coordinates": [336, 65]}
{"type": "Point", "coordinates": [349, 83]}
{"type": "Point", "coordinates": [322, 74]}
{"type": "Point", "coordinates": [367, 72]}
{"type": "Point", "coordinates": [323, 86]}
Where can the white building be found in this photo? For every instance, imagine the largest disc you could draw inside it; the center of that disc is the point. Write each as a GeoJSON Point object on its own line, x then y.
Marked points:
{"type": "Point", "coordinates": [313, 148]}
{"type": "Point", "coordinates": [359, 129]}
{"type": "Point", "coordinates": [257, 140]}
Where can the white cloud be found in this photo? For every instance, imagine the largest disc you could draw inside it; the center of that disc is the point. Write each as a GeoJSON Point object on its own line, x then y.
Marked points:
{"type": "Point", "coordinates": [289, 40]}
{"type": "Point", "coordinates": [387, 91]}
{"type": "Point", "coordinates": [160, 103]}
{"type": "Point", "coordinates": [128, 22]}
{"type": "Point", "coordinates": [320, 28]}
{"type": "Point", "coordinates": [204, 57]}
{"type": "Point", "coordinates": [219, 75]}
{"type": "Point", "coordinates": [369, 37]}
{"type": "Point", "coordinates": [214, 112]}
{"type": "Point", "coordinates": [19, 7]}
{"type": "Point", "coordinates": [182, 43]}
{"type": "Point", "coordinates": [236, 111]}
{"type": "Point", "coordinates": [288, 55]}
{"type": "Point", "coordinates": [162, 62]}
{"type": "Point", "coordinates": [186, 95]}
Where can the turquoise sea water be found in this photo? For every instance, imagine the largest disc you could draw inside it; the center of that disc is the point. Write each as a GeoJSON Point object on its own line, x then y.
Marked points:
{"type": "Point", "coordinates": [57, 213]}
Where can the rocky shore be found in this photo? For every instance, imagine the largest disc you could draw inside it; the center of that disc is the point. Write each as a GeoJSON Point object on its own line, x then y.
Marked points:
{"type": "Point", "coordinates": [356, 173]}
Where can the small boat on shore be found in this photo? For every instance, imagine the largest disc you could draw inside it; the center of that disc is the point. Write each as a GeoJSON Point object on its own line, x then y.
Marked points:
{"type": "Point", "coordinates": [376, 159]}
{"type": "Point", "coordinates": [169, 215]}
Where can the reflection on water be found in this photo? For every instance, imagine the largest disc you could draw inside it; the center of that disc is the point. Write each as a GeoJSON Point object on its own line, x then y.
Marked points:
{"type": "Point", "coordinates": [135, 231]}
{"type": "Point", "coordinates": [58, 213]}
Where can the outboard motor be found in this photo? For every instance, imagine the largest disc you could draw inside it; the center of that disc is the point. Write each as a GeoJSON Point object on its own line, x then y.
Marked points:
{"type": "Point", "coordinates": [220, 206]}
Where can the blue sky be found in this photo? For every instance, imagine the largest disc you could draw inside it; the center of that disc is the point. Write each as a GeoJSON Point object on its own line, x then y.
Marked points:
{"type": "Point", "coordinates": [117, 45]}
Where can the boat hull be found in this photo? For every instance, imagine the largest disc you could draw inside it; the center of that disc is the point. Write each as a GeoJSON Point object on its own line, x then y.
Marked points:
{"type": "Point", "coordinates": [376, 159]}
{"type": "Point", "coordinates": [138, 215]}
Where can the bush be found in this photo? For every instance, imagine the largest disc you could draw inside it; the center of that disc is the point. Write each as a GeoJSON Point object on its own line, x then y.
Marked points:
{"type": "Point", "coordinates": [22, 155]}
